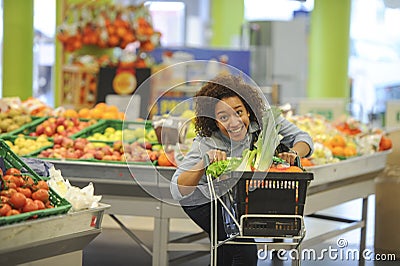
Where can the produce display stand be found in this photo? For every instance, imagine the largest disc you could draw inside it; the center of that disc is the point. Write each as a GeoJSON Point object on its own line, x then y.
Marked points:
{"type": "Point", "coordinates": [49, 237]}
{"type": "Point", "coordinates": [351, 179]}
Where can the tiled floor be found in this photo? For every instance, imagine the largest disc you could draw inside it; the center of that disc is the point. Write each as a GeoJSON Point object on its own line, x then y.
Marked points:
{"type": "Point", "coordinates": [114, 247]}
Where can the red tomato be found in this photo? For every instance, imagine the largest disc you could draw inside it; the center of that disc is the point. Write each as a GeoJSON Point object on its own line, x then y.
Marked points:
{"type": "Point", "coordinates": [41, 194]}
{"type": "Point", "coordinates": [17, 180]}
{"type": "Point", "coordinates": [17, 200]}
{"type": "Point", "coordinates": [13, 171]}
{"type": "Point", "coordinates": [28, 181]}
{"type": "Point", "coordinates": [8, 192]}
{"type": "Point", "coordinates": [41, 184]}
{"type": "Point", "coordinates": [4, 209]}
{"type": "Point", "coordinates": [30, 206]}
{"type": "Point", "coordinates": [40, 204]}
{"type": "Point", "coordinates": [3, 199]}
{"type": "Point", "coordinates": [12, 212]}
{"type": "Point", "coordinates": [26, 191]}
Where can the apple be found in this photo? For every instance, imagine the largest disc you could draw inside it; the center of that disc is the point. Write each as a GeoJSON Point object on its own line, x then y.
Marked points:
{"type": "Point", "coordinates": [99, 155]}
{"type": "Point", "coordinates": [107, 150]}
{"type": "Point", "coordinates": [117, 145]}
{"type": "Point", "coordinates": [78, 153]}
{"type": "Point", "coordinates": [79, 145]}
{"type": "Point", "coordinates": [107, 158]}
{"type": "Point", "coordinates": [40, 129]}
{"type": "Point", "coordinates": [48, 131]}
{"type": "Point", "coordinates": [60, 120]}
{"type": "Point", "coordinates": [67, 142]}
{"type": "Point", "coordinates": [87, 156]}
{"type": "Point", "coordinates": [58, 139]}
{"type": "Point", "coordinates": [60, 129]}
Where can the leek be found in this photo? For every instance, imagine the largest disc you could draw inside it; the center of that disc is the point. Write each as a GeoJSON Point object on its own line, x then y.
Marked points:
{"type": "Point", "coordinates": [268, 140]}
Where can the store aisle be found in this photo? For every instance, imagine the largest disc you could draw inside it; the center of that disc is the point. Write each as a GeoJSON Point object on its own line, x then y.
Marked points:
{"type": "Point", "coordinates": [115, 247]}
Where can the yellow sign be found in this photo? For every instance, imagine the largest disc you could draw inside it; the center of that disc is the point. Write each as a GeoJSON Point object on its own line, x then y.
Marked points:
{"type": "Point", "coordinates": [124, 83]}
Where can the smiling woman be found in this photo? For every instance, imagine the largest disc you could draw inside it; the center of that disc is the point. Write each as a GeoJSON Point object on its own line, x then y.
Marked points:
{"type": "Point", "coordinates": [228, 121]}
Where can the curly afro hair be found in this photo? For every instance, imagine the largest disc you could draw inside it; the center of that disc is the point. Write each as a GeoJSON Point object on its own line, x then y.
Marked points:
{"type": "Point", "coordinates": [221, 87]}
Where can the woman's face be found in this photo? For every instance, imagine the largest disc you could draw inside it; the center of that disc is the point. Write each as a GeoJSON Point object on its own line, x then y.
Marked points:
{"type": "Point", "coordinates": [232, 118]}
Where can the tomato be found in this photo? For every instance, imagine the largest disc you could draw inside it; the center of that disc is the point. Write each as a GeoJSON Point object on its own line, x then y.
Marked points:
{"type": "Point", "coordinates": [28, 181]}
{"type": "Point", "coordinates": [17, 180]}
{"type": "Point", "coordinates": [8, 192]}
{"type": "Point", "coordinates": [40, 204]}
{"type": "Point", "coordinates": [4, 199]}
{"type": "Point", "coordinates": [13, 171]}
{"type": "Point", "coordinates": [41, 194]}
{"type": "Point", "coordinates": [30, 206]}
{"type": "Point", "coordinates": [17, 200]}
{"type": "Point", "coordinates": [4, 209]}
{"type": "Point", "coordinates": [26, 191]}
{"type": "Point", "coordinates": [41, 184]}
{"type": "Point", "coordinates": [12, 212]}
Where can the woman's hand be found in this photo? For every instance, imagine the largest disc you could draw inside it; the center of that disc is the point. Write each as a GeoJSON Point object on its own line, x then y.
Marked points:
{"type": "Point", "coordinates": [289, 157]}
{"type": "Point", "coordinates": [216, 155]}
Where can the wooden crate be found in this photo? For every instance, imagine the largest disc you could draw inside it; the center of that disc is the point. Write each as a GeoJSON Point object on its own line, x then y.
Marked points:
{"type": "Point", "coordinates": [79, 87]}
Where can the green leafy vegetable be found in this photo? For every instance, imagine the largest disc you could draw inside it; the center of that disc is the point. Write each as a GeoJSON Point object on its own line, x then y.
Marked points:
{"type": "Point", "coordinates": [222, 167]}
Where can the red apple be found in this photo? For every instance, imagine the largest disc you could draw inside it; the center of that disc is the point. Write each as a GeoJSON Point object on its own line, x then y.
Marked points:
{"type": "Point", "coordinates": [48, 131]}
{"type": "Point", "coordinates": [99, 155]}
{"type": "Point", "coordinates": [67, 142]}
{"type": "Point", "coordinates": [87, 156]}
{"type": "Point", "coordinates": [60, 120]}
{"type": "Point", "coordinates": [39, 129]}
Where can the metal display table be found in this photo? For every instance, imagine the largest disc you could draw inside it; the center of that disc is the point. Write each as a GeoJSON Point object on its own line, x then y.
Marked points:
{"type": "Point", "coordinates": [55, 235]}
{"type": "Point", "coordinates": [351, 179]}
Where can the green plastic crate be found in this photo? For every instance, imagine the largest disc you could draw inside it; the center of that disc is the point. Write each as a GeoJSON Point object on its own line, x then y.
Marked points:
{"type": "Point", "coordinates": [60, 204]}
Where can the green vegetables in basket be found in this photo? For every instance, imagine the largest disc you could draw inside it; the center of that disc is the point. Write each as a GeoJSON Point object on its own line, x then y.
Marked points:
{"type": "Point", "coordinates": [222, 167]}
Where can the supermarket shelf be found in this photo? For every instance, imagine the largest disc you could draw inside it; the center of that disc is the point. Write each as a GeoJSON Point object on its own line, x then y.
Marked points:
{"type": "Point", "coordinates": [49, 237]}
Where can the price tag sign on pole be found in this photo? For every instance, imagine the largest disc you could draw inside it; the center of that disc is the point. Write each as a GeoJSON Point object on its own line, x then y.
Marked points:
{"type": "Point", "coordinates": [392, 117]}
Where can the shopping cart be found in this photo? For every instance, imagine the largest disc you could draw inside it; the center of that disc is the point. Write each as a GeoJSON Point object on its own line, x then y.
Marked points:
{"type": "Point", "coordinates": [263, 208]}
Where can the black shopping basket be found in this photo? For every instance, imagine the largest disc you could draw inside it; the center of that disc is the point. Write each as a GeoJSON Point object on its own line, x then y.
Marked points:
{"type": "Point", "coordinates": [266, 203]}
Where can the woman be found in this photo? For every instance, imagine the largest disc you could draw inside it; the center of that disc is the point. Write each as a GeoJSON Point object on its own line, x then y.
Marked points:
{"type": "Point", "coordinates": [228, 119]}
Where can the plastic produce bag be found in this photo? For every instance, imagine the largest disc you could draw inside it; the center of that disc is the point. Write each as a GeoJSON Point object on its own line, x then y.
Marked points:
{"type": "Point", "coordinates": [80, 198]}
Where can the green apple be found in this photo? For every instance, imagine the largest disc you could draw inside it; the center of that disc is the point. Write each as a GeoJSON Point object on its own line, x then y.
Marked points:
{"type": "Point", "coordinates": [151, 135]}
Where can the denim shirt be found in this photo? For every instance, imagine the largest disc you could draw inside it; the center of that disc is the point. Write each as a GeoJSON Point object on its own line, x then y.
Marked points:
{"type": "Point", "coordinates": [291, 135]}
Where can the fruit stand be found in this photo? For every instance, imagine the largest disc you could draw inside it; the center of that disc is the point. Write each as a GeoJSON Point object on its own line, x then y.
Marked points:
{"type": "Point", "coordinates": [351, 179]}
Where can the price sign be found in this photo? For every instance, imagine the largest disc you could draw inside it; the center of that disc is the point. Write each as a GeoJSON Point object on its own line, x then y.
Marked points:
{"type": "Point", "coordinates": [331, 109]}
{"type": "Point", "coordinates": [392, 116]}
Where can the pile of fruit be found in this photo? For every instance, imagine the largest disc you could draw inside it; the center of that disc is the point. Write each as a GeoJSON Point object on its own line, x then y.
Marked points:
{"type": "Point", "coordinates": [13, 119]}
{"type": "Point", "coordinates": [20, 193]}
{"type": "Point", "coordinates": [107, 25]}
{"type": "Point", "coordinates": [339, 140]}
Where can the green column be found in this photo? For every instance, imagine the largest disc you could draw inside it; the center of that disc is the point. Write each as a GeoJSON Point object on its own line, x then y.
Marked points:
{"type": "Point", "coordinates": [17, 48]}
{"type": "Point", "coordinates": [329, 49]}
{"type": "Point", "coordinates": [227, 18]}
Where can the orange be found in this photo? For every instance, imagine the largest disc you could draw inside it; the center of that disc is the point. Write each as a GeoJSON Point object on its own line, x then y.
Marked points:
{"type": "Point", "coordinates": [163, 160]}
{"type": "Point", "coordinates": [112, 109]}
{"type": "Point", "coordinates": [338, 151]}
{"type": "Point", "coordinates": [96, 113]}
{"type": "Point", "coordinates": [101, 106]}
{"type": "Point", "coordinates": [109, 115]}
{"type": "Point", "coordinates": [385, 143]}
{"type": "Point", "coordinates": [338, 140]}
{"type": "Point", "coordinates": [84, 113]}
{"type": "Point", "coordinates": [306, 162]}
{"type": "Point", "coordinates": [349, 151]}
{"type": "Point", "coordinates": [70, 113]}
